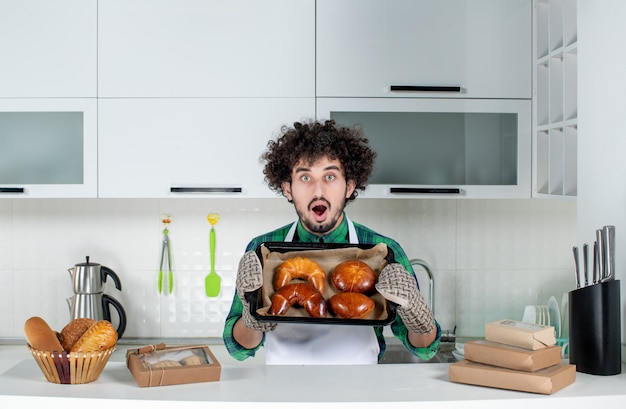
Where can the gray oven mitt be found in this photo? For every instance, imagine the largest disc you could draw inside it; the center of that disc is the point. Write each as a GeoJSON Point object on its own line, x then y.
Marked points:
{"type": "Point", "coordinates": [249, 279]}
{"type": "Point", "coordinates": [399, 286]}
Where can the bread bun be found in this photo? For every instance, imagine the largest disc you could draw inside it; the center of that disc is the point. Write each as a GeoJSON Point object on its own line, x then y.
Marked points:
{"type": "Point", "coordinates": [351, 305]}
{"type": "Point", "coordinates": [353, 276]}
{"type": "Point", "coordinates": [71, 333]}
{"type": "Point", "coordinates": [303, 268]}
{"type": "Point", "coordinates": [99, 337]}
{"type": "Point", "coordinates": [40, 336]}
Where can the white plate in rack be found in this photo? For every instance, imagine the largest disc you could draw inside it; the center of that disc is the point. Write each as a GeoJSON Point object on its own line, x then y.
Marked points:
{"type": "Point", "coordinates": [555, 316]}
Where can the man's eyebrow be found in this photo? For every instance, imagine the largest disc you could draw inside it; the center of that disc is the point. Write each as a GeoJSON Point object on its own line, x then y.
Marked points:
{"type": "Point", "coordinates": [307, 169]}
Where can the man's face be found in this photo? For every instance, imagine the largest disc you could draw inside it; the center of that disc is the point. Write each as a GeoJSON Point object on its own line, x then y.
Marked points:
{"type": "Point", "coordinates": [319, 192]}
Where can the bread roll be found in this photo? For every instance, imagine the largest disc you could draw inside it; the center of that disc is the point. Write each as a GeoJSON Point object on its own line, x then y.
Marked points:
{"type": "Point", "coordinates": [353, 276]}
{"type": "Point", "coordinates": [71, 333]}
{"type": "Point", "coordinates": [40, 336]}
{"type": "Point", "coordinates": [99, 337]}
{"type": "Point", "coordinates": [351, 305]}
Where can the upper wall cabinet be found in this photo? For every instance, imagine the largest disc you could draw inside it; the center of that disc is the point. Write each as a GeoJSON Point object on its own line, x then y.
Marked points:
{"type": "Point", "coordinates": [415, 48]}
{"type": "Point", "coordinates": [48, 147]}
{"type": "Point", "coordinates": [189, 147]}
{"type": "Point", "coordinates": [199, 48]}
{"type": "Point", "coordinates": [48, 48]}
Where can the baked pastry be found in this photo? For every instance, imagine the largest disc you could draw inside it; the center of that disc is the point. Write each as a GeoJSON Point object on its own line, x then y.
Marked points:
{"type": "Point", "coordinates": [168, 363]}
{"type": "Point", "coordinates": [302, 294]}
{"type": "Point", "coordinates": [353, 276]}
{"type": "Point", "coordinates": [99, 337]}
{"type": "Point", "coordinates": [40, 336]}
{"type": "Point", "coordinates": [72, 332]}
{"type": "Point", "coordinates": [302, 268]}
{"type": "Point", "coordinates": [351, 305]}
{"type": "Point", "coordinates": [193, 360]}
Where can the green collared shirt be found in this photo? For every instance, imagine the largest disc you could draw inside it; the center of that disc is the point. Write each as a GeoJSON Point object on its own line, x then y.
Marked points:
{"type": "Point", "coordinates": [365, 235]}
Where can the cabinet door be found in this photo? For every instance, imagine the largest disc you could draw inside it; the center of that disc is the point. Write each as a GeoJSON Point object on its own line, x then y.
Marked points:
{"type": "Point", "coordinates": [199, 48]}
{"type": "Point", "coordinates": [48, 147]}
{"type": "Point", "coordinates": [366, 46]}
{"type": "Point", "coordinates": [180, 147]}
{"type": "Point", "coordinates": [48, 48]}
{"type": "Point", "coordinates": [434, 148]}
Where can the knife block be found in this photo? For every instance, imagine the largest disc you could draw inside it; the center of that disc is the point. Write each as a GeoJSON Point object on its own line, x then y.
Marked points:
{"type": "Point", "coordinates": [595, 329]}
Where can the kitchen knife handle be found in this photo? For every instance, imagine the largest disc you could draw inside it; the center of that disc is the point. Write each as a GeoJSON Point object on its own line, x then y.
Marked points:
{"type": "Point", "coordinates": [206, 190]}
{"type": "Point", "coordinates": [576, 266]}
{"type": "Point", "coordinates": [11, 189]}
{"type": "Point", "coordinates": [608, 234]}
{"type": "Point", "coordinates": [425, 88]}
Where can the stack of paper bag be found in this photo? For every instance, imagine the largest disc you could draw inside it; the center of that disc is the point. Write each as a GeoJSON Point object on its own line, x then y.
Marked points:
{"type": "Point", "coordinates": [514, 355]}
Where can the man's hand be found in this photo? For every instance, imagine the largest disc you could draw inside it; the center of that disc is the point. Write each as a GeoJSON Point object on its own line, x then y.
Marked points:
{"type": "Point", "coordinates": [249, 279]}
{"type": "Point", "coordinates": [399, 286]}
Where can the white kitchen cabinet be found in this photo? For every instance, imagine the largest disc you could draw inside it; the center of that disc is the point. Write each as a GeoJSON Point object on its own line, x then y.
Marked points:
{"type": "Point", "coordinates": [364, 47]}
{"type": "Point", "coordinates": [555, 125]}
{"type": "Point", "coordinates": [199, 48]}
{"type": "Point", "coordinates": [48, 48]}
{"type": "Point", "coordinates": [190, 147]}
{"type": "Point", "coordinates": [48, 147]}
{"type": "Point", "coordinates": [442, 148]}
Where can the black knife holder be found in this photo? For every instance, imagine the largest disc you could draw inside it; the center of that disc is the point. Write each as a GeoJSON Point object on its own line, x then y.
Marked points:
{"type": "Point", "coordinates": [595, 329]}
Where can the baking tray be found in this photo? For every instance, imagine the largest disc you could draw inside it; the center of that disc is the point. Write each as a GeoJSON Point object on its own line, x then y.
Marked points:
{"type": "Point", "coordinates": [259, 304]}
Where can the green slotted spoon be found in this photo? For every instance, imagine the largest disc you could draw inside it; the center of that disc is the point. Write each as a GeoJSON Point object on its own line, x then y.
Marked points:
{"type": "Point", "coordinates": [212, 282]}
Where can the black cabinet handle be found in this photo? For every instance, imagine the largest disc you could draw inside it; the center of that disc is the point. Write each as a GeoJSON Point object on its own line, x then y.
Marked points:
{"type": "Point", "coordinates": [206, 190]}
{"type": "Point", "coordinates": [11, 190]}
{"type": "Point", "coordinates": [426, 88]}
{"type": "Point", "coordinates": [434, 190]}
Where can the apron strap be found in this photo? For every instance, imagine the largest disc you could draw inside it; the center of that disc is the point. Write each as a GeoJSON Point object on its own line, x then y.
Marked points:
{"type": "Point", "coordinates": [352, 237]}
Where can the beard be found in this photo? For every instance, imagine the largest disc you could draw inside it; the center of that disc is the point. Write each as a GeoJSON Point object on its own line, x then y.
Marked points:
{"type": "Point", "coordinates": [321, 228]}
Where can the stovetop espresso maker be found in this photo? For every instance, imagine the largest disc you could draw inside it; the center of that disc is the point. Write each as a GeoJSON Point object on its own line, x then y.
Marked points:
{"type": "Point", "coordinates": [89, 300]}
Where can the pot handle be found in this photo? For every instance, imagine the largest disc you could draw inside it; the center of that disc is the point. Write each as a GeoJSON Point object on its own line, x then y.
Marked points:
{"type": "Point", "coordinates": [106, 271]}
{"type": "Point", "coordinates": [108, 301]}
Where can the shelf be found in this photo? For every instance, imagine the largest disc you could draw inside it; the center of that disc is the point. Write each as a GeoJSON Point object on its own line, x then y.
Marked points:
{"type": "Point", "coordinates": [555, 92]}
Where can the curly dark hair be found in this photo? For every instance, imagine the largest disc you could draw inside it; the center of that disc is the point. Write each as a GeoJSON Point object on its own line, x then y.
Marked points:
{"type": "Point", "coordinates": [312, 141]}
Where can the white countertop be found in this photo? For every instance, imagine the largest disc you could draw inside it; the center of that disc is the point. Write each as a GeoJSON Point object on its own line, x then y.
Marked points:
{"type": "Point", "coordinates": [400, 385]}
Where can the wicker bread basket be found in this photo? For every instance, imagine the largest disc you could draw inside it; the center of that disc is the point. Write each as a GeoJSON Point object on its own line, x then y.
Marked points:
{"type": "Point", "coordinates": [71, 367]}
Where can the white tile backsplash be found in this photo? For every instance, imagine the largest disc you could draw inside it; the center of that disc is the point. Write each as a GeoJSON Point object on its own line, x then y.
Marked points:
{"type": "Point", "coordinates": [490, 257]}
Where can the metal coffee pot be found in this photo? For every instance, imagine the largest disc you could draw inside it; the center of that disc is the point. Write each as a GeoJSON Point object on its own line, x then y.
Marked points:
{"type": "Point", "coordinates": [89, 300]}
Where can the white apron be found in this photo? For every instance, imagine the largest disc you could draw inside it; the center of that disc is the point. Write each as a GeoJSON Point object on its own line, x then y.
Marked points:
{"type": "Point", "coordinates": [319, 344]}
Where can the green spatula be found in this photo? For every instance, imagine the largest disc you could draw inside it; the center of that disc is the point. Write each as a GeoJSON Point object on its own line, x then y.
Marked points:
{"type": "Point", "coordinates": [212, 281]}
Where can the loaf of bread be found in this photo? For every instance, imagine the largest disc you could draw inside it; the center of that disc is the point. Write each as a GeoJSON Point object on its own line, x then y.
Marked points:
{"type": "Point", "coordinates": [71, 333]}
{"type": "Point", "coordinates": [353, 276]}
{"type": "Point", "coordinates": [40, 336]}
{"type": "Point", "coordinates": [99, 337]}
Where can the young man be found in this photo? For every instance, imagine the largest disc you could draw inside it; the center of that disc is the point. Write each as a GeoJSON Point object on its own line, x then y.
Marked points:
{"type": "Point", "coordinates": [319, 167]}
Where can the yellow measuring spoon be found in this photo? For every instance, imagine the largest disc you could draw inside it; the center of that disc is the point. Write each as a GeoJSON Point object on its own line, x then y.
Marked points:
{"type": "Point", "coordinates": [212, 282]}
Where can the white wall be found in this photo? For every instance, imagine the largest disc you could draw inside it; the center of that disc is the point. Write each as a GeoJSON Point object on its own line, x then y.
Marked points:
{"type": "Point", "coordinates": [601, 134]}
{"type": "Point", "coordinates": [491, 257]}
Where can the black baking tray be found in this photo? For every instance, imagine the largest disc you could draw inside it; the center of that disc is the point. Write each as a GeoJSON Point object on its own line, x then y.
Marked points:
{"type": "Point", "coordinates": [256, 298]}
